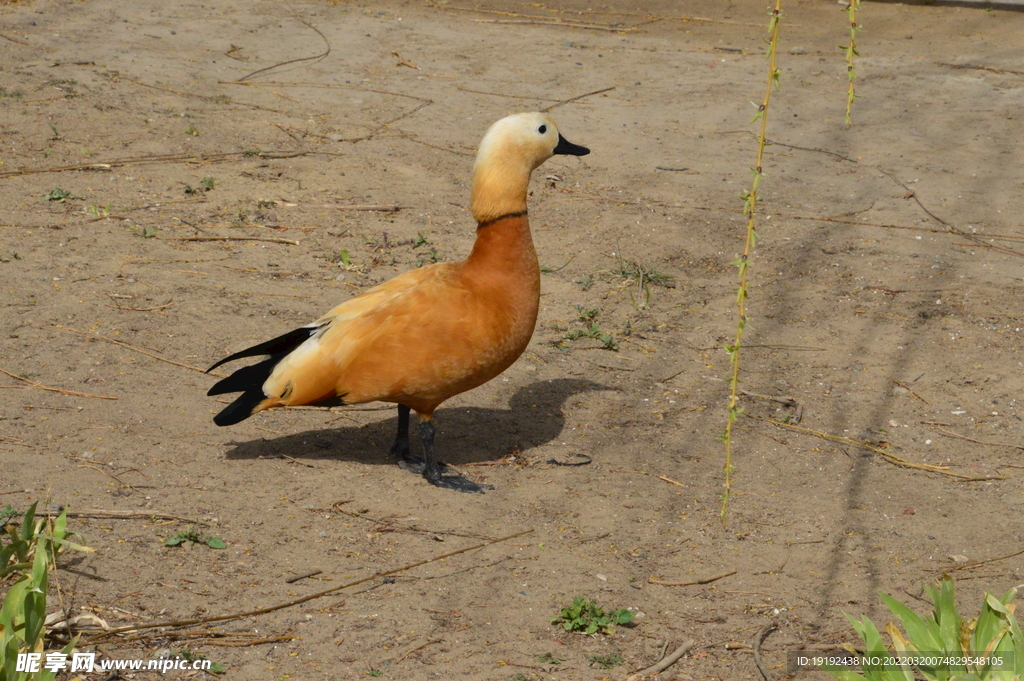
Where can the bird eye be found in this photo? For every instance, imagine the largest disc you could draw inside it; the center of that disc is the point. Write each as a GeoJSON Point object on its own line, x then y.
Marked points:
{"type": "Point", "coordinates": [542, 129]}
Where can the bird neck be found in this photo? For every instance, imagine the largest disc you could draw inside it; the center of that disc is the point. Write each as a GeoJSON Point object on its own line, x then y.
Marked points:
{"type": "Point", "coordinates": [500, 181]}
{"type": "Point", "coordinates": [504, 247]}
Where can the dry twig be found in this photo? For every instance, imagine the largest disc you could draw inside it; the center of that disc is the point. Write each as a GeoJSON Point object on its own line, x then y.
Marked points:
{"type": "Point", "coordinates": [891, 458]}
{"type": "Point", "coordinates": [126, 345]}
{"type": "Point", "coordinates": [762, 634]}
{"type": "Point", "coordinates": [230, 238]}
{"type": "Point", "coordinates": [664, 664]}
{"type": "Point", "coordinates": [950, 433]}
{"type": "Point", "coordinates": [573, 99]}
{"type": "Point", "coordinates": [965, 566]}
{"type": "Point", "coordinates": [56, 390]}
{"type": "Point", "coordinates": [297, 601]}
{"type": "Point", "coordinates": [424, 645]}
{"type": "Point", "coordinates": [691, 582]}
{"type": "Point", "coordinates": [122, 515]}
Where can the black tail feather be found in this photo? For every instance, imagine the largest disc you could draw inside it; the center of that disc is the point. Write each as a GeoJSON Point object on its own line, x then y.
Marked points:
{"type": "Point", "coordinates": [246, 378]}
{"type": "Point", "coordinates": [279, 346]}
{"type": "Point", "coordinates": [249, 380]}
{"type": "Point", "coordinates": [240, 409]}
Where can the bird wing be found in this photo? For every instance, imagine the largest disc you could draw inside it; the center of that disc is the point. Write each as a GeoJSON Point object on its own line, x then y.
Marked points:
{"type": "Point", "coordinates": [312, 371]}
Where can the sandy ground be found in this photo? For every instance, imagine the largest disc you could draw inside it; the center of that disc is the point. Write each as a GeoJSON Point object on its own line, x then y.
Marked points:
{"type": "Point", "coordinates": [885, 301]}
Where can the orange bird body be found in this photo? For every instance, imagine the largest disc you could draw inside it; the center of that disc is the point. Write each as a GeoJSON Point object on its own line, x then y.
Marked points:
{"type": "Point", "coordinates": [430, 333]}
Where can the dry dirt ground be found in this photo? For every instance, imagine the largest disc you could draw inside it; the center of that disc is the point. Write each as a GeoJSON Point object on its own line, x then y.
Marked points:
{"type": "Point", "coordinates": [885, 301]}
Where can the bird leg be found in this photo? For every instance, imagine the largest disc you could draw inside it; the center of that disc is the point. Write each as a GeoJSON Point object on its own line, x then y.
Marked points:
{"type": "Point", "coordinates": [400, 450]}
{"type": "Point", "coordinates": [432, 469]}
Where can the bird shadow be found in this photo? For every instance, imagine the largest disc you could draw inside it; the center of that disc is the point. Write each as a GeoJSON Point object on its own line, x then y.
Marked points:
{"type": "Point", "coordinates": [464, 434]}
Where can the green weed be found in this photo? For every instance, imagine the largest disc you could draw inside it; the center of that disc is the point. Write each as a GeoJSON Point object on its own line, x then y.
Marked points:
{"type": "Point", "coordinates": [192, 130]}
{"type": "Point", "coordinates": [98, 210]}
{"type": "Point", "coordinates": [548, 658]}
{"type": "Point", "coordinates": [592, 329]}
{"type": "Point", "coordinates": [190, 655]}
{"type": "Point", "coordinates": [587, 617]}
{"type": "Point", "coordinates": [206, 184]}
{"type": "Point", "coordinates": [549, 270]}
{"type": "Point", "coordinates": [994, 633]}
{"type": "Point", "coordinates": [59, 195]}
{"type": "Point", "coordinates": [609, 661]}
{"type": "Point", "coordinates": [196, 537]}
{"type": "Point", "coordinates": [27, 554]}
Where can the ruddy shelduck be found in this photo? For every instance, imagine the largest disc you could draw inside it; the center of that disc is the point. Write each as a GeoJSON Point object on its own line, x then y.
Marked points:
{"type": "Point", "coordinates": [428, 334]}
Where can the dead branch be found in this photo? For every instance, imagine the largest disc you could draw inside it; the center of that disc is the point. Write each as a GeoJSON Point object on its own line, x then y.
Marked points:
{"type": "Point", "coordinates": [139, 309]}
{"type": "Point", "coordinates": [664, 664]}
{"type": "Point", "coordinates": [950, 433]}
{"type": "Point", "coordinates": [424, 645]}
{"type": "Point", "coordinates": [762, 634]}
{"type": "Point", "coordinates": [317, 57]}
{"type": "Point", "coordinates": [56, 390]}
{"type": "Point", "coordinates": [891, 458]}
{"type": "Point", "coordinates": [124, 515]}
{"type": "Point", "coordinates": [292, 580]}
{"type": "Point", "coordinates": [573, 99]}
{"type": "Point", "coordinates": [126, 345]}
{"type": "Point", "coordinates": [297, 601]}
{"type": "Point", "coordinates": [230, 238]}
{"type": "Point", "coordinates": [705, 580]}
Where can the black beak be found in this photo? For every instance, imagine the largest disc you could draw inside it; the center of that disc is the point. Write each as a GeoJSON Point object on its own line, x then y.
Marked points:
{"type": "Point", "coordinates": [567, 148]}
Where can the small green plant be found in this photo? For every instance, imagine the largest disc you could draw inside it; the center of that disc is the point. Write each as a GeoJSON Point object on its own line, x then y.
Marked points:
{"type": "Point", "coordinates": [15, 94]}
{"type": "Point", "coordinates": [994, 633]}
{"type": "Point", "coordinates": [98, 210]}
{"type": "Point", "coordinates": [432, 257]}
{"type": "Point", "coordinates": [59, 195]}
{"type": "Point", "coordinates": [517, 677]}
{"type": "Point", "coordinates": [551, 270]}
{"type": "Point", "coordinates": [592, 329]}
{"type": "Point", "coordinates": [196, 537]}
{"type": "Point", "coordinates": [190, 190]}
{"type": "Point", "coordinates": [609, 661]}
{"type": "Point", "coordinates": [147, 232]}
{"type": "Point", "coordinates": [9, 255]}
{"type": "Point", "coordinates": [27, 554]}
{"type": "Point", "coordinates": [585, 282]}
{"type": "Point", "coordinates": [630, 270]}
{"type": "Point", "coordinates": [420, 240]}
{"type": "Point", "coordinates": [342, 257]}
{"type": "Point", "coordinates": [207, 183]}
{"type": "Point", "coordinates": [548, 658]}
{"type": "Point", "coordinates": [375, 672]}
{"type": "Point", "coordinates": [587, 617]}
{"type": "Point", "coordinates": [192, 130]}
{"type": "Point", "coordinates": [190, 655]}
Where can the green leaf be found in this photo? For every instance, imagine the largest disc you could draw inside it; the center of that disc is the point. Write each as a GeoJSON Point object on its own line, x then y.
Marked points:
{"type": "Point", "coordinates": [173, 541]}
{"type": "Point", "coordinates": [216, 543]}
